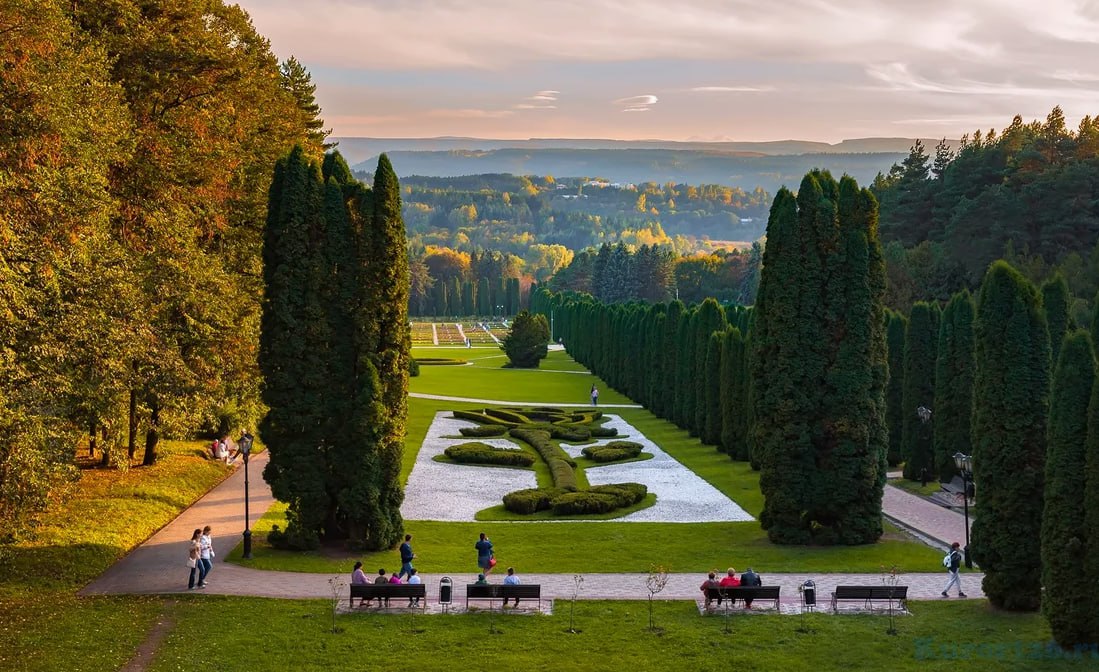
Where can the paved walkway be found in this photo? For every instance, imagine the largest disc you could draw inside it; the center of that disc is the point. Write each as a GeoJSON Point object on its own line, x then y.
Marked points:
{"type": "Point", "coordinates": [159, 565]}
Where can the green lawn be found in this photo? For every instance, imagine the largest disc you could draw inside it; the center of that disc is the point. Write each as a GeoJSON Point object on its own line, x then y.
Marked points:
{"type": "Point", "coordinates": [614, 636]}
{"type": "Point", "coordinates": [915, 487]}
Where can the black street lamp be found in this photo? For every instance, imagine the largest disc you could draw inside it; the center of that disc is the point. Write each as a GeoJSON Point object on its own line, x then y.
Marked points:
{"type": "Point", "coordinates": [964, 463]}
{"type": "Point", "coordinates": [245, 447]}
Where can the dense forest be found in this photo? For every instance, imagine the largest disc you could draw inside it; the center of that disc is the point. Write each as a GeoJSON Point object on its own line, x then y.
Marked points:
{"type": "Point", "coordinates": [132, 202]}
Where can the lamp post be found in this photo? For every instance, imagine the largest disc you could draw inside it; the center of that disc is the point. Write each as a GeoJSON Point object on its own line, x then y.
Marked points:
{"type": "Point", "coordinates": [551, 326]}
{"type": "Point", "coordinates": [501, 309]}
{"type": "Point", "coordinates": [245, 443]}
{"type": "Point", "coordinates": [964, 463]}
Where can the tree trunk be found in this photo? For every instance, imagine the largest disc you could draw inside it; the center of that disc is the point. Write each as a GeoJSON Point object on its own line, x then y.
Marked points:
{"type": "Point", "coordinates": [152, 437]}
{"type": "Point", "coordinates": [131, 443]}
{"type": "Point", "coordinates": [91, 439]}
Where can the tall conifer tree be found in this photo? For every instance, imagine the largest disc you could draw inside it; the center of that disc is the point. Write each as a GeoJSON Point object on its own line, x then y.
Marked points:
{"type": "Point", "coordinates": [894, 394]}
{"type": "Point", "coordinates": [1064, 535]}
{"type": "Point", "coordinates": [1010, 415]}
{"type": "Point", "coordinates": [1055, 302]}
{"type": "Point", "coordinates": [954, 385]}
{"type": "Point", "coordinates": [920, 353]}
{"type": "Point", "coordinates": [711, 318]}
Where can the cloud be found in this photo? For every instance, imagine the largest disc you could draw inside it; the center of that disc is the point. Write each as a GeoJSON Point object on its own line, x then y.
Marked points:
{"type": "Point", "coordinates": [899, 77]}
{"type": "Point", "coordinates": [731, 89]}
{"type": "Point", "coordinates": [528, 106]}
{"type": "Point", "coordinates": [637, 103]}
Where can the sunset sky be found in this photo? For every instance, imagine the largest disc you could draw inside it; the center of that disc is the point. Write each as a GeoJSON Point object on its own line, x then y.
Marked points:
{"type": "Point", "coordinates": [691, 69]}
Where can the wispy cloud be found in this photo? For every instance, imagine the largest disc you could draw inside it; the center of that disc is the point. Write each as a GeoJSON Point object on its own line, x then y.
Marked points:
{"type": "Point", "coordinates": [641, 103]}
{"type": "Point", "coordinates": [468, 113]}
{"type": "Point", "coordinates": [529, 106]}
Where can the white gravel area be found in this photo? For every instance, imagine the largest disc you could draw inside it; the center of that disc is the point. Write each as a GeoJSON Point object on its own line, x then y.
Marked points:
{"type": "Point", "coordinates": [455, 492]}
{"type": "Point", "coordinates": [444, 491]}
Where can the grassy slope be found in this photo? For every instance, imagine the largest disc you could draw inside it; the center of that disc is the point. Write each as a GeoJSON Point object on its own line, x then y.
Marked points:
{"type": "Point", "coordinates": [613, 636]}
{"type": "Point", "coordinates": [43, 625]}
{"type": "Point", "coordinates": [574, 547]}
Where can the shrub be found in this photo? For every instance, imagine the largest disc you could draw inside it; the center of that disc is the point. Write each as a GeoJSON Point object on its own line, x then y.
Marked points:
{"type": "Point", "coordinates": [478, 417]}
{"type": "Point", "coordinates": [615, 450]}
{"type": "Point", "coordinates": [440, 361]}
{"type": "Point", "coordinates": [558, 461]}
{"type": "Point", "coordinates": [603, 432]}
{"type": "Point", "coordinates": [507, 416]}
{"type": "Point", "coordinates": [481, 431]}
{"type": "Point", "coordinates": [413, 368]}
{"type": "Point", "coordinates": [529, 501]}
{"type": "Point", "coordinates": [570, 433]}
{"type": "Point", "coordinates": [586, 502]}
{"type": "Point", "coordinates": [482, 453]}
{"type": "Point", "coordinates": [527, 342]}
{"type": "Point", "coordinates": [625, 494]}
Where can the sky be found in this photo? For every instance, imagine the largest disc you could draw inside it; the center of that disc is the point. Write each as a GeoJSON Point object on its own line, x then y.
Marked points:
{"type": "Point", "coordinates": [819, 70]}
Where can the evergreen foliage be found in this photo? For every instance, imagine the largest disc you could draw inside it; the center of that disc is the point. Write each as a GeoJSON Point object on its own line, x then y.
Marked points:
{"type": "Point", "coordinates": [1090, 505]}
{"type": "Point", "coordinates": [526, 343]}
{"type": "Point", "coordinates": [1055, 300]}
{"type": "Point", "coordinates": [920, 354]}
{"type": "Point", "coordinates": [334, 351]}
{"type": "Point", "coordinates": [819, 366]}
{"type": "Point", "coordinates": [1010, 411]}
{"type": "Point", "coordinates": [711, 415]}
{"type": "Point", "coordinates": [710, 318]}
{"type": "Point", "coordinates": [954, 385]}
{"type": "Point", "coordinates": [894, 393]}
{"type": "Point", "coordinates": [1065, 605]}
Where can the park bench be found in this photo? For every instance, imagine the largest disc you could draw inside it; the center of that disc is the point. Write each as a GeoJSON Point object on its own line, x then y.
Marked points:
{"type": "Point", "coordinates": [385, 591]}
{"type": "Point", "coordinates": [754, 593]}
{"type": "Point", "coordinates": [869, 594]}
{"type": "Point", "coordinates": [499, 591]}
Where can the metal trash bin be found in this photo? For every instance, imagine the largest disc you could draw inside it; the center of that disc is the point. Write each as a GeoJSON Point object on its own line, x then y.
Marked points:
{"type": "Point", "coordinates": [809, 595]}
{"type": "Point", "coordinates": [446, 590]}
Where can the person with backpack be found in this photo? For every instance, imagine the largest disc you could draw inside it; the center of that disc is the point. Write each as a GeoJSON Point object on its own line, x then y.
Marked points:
{"type": "Point", "coordinates": [953, 563]}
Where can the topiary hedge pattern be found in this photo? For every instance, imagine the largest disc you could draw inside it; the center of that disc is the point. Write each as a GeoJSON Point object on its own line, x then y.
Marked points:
{"type": "Point", "coordinates": [482, 431]}
{"type": "Point", "coordinates": [530, 501]}
{"type": "Point", "coordinates": [440, 361]}
{"type": "Point", "coordinates": [482, 453]}
{"type": "Point", "coordinates": [558, 461]}
{"type": "Point", "coordinates": [600, 499]}
{"type": "Point", "coordinates": [613, 451]}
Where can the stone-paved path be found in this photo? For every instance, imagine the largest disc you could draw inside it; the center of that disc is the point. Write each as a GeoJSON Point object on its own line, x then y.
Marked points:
{"type": "Point", "coordinates": [159, 565]}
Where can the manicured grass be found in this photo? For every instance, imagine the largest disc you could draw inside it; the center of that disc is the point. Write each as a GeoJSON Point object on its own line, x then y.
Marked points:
{"type": "Point", "coordinates": [613, 636]}
{"type": "Point", "coordinates": [43, 625]}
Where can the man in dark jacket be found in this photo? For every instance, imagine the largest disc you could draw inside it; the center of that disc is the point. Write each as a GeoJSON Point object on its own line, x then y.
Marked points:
{"type": "Point", "coordinates": [750, 578]}
{"type": "Point", "coordinates": [954, 570]}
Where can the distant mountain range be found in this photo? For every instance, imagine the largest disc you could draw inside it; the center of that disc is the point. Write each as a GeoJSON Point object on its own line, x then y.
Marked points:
{"type": "Point", "coordinates": [742, 164]}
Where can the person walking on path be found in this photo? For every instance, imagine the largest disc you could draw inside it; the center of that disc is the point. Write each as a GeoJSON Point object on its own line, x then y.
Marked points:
{"type": "Point", "coordinates": [406, 557]}
{"type": "Point", "coordinates": [206, 554]}
{"type": "Point", "coordinates": [953, 563]}
{"type": "Point", "coordinates": [194, 561]}
{"type": "Point", "coordinates": [486, 558]}
{"type": "Point", "coordinates": [594, 395]}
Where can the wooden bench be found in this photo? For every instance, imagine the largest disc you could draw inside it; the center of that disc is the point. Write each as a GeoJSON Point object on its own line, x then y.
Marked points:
{"type": "Point", "coordinates": [385, 591]}
{"type": "Point", "coordinates": [754, 593]}
{"type": "Point", "coordinates": [869, 594]}
{"type": "Point", "coordinates": [499, 591]}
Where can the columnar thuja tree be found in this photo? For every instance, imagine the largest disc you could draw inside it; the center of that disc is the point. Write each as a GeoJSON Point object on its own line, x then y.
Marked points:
{"type": "Point", "coordinates": [1055, 300]}
{"type": "Point", "coordinates": [954, 384]}
{"type": "Point", "coordinates": [711, 417]}
{"type": "Point", "coordinates": [920, 353]}
{"type": "Point", "coordinates": [334, 352]}
{"type": "Point", "coordinates": [894, 392]}
{"type": "Point", "coordinates": [710, 318]}
{"type": "Point", "coordinates": [1090, 584]}
{"type": "Point", "coordinates": [1010, 412]}
{"type": "Point", "coordinates": [1068, 609]}
{"type": "Point", "coordinates": [819, 366]}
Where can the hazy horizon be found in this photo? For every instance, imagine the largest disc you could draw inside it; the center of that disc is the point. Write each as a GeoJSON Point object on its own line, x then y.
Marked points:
{"type": "Point", "coordinates": [699, 70]}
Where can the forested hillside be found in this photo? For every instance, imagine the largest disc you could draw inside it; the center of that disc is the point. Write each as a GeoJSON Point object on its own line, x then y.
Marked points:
{"type": "Point", "coordinates": [1029, 193]}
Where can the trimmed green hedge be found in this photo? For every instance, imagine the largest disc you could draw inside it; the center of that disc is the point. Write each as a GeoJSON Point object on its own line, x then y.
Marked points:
{"type": "Point", "coordinates": [481, 418]}
{"type": "Point", "coordinates": [613, 451]}
{"type": "Point", "coordinates": [600, 499]}
{"type": "Point", "coordinates": [603, 432]}
{"type": "Point", "coordinates": [482, 431]}
{"type": "Point", "coordinates": [413, 368]}
{"type": "Point", "coordinates": [508, 416]}
{"type": "Point", "coordinates": [570, 433]}
{"type": "Point", "coordinates": [531, 501]}
{"type": "Point", "coordinates": [482, 453]}
{"type": "Point", "coordinates": [559, 462]}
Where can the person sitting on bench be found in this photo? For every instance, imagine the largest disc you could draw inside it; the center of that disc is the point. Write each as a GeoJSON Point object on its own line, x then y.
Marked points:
{"type": "Point", "coordinates": [750, 578]}
{"type": "Point", "coordinates": [511, 580]}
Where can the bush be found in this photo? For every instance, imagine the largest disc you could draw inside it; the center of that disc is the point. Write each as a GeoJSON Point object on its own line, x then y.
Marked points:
{"type": "Point", "coordinates": [526, 344]}
{"type": "Point", "coordinates": [530, 501]}
{"type": "Point", "coordinates": [413, 368]}
{"type": "Point", "coordinates": [481, 418]}
{"type": "Point", "coordinates": [482, 431]}
{"type": "Point", "coordinates": [482, 453]}
{"type": "Point", "coordinates": [570, 433]}
{"type": "Point", "coordinates": [603, 432]}
{"type": "Point", "coordinates": [615, 450]}
{"type": "Point", "coordinates": [558, 461]}
{"type": "Point", "coordinates": [507, 416]}
{"type": "Point", "coordinates": [625, 494]}
{"type": "Point", "coordinates": [440, 361]}
{"type": "Point", "coordinates": [586, 502]}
